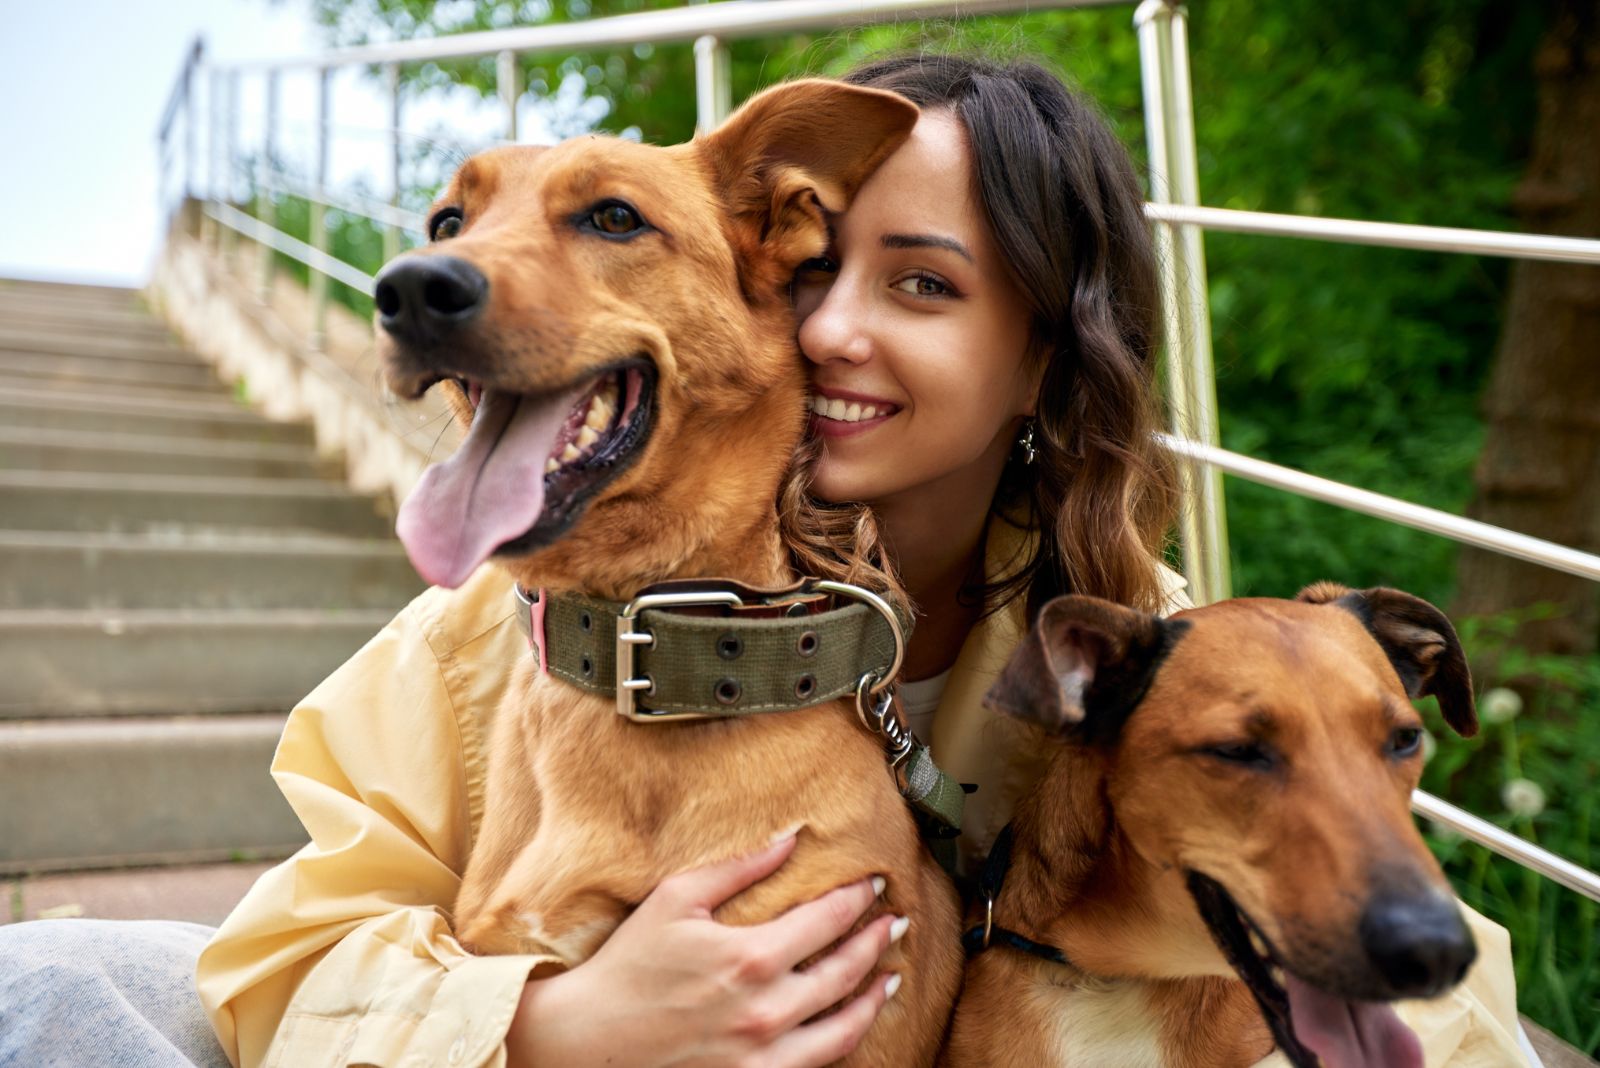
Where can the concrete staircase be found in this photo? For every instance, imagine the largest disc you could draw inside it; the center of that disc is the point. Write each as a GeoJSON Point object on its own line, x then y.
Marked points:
{"type": "Point", "coordinates": [175, 572]}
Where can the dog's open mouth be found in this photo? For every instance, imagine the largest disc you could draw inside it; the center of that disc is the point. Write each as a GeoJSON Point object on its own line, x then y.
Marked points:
{"type": "Point", "coordinates": [1340, 1033]}
{"type": "Point", "coordinates": [528, 466]}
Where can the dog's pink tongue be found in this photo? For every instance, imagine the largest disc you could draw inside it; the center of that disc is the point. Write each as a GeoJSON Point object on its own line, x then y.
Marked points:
{"type": "Point", "coordinates": [1351, 1034]}
{"type": "Point", "coordinates": [489, 492]}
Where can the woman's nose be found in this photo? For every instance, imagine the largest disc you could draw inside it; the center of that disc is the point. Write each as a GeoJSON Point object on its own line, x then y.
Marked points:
{"type": "Point", "coordinates": [836, 328]}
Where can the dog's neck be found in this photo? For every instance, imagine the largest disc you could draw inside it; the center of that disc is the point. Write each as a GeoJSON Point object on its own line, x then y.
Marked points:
{"type": "Point", "coordinates": [1080, 885]}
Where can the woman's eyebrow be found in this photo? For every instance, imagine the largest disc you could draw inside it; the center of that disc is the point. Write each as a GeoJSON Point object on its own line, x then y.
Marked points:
{"type": "Point", "coordinates": [927, 241]}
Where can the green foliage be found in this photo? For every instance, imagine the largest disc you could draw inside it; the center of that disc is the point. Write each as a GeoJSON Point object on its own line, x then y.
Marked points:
{"type": "Point", "coordinates": [1543, 762]}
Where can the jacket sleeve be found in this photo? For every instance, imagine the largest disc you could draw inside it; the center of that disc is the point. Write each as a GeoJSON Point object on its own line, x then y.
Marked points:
{"type": "Point", "coordinates": [344, 954]}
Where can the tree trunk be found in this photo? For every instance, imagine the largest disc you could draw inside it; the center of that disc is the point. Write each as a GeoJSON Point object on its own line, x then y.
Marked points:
{"type": "Point", "coordinates": [1539, 472]}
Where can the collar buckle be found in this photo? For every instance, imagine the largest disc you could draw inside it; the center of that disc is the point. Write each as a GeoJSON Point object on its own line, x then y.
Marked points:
{"type": "Point", "coordinates": [630, 637]}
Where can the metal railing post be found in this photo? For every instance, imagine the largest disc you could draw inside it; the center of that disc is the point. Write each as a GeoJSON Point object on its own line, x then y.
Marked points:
{"type": "Point", "coordinates": [713, 83]}
{"type": "Point", "coordinates": [391, 232]}
{"type": "Point", "coordinates": [1191, 384]}
{"type": "Point", "coordinates": [230, 151]}
{"type": "Point", "coordinates": [508, 81]}
{"type": "Point", "coordinates": [318, 213]}
{"type": "Point", "coordinates": [266, 204]}
{"type": "Point", "coordinates": [213, 146]}
{"type": "Point", "coordinates": [189, 120]}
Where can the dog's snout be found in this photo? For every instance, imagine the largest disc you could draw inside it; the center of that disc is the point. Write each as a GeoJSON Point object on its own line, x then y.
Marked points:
{"type": "Point", "coordinates": [1419, 944]}
{"type": "Point", "coordinates": [422, 296]}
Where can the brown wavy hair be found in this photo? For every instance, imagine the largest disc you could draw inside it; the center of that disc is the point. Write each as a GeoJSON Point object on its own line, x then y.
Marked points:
{"type": "Point", "coordinates": [1067, 212]}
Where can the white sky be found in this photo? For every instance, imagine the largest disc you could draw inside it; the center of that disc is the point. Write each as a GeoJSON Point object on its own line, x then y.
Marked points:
{"type": "Point", "coordinates": [82, 86]}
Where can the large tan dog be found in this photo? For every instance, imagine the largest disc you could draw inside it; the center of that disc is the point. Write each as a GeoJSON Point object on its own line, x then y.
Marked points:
{"type": "Point", "coordinates": [1220, 856]}
{"type": "Point", "coordinates": [615, 319]}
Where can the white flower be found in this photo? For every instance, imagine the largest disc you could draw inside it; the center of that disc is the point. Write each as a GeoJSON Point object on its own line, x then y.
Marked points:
{"type": "Point", "coordinates": [1500, 705]}
{"type": "Point", "coordinates": [1523, 797]}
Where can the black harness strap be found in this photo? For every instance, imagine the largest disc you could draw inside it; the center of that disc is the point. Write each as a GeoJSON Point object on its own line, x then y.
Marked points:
{"type": "Point", "coordinates": [981, 936]}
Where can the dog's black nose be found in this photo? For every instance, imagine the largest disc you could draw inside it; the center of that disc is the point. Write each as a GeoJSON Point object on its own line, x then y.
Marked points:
{"type": "Point", "coordinates": [423, 297]}
{"type": "Point", "coordinates": [1419, 944]}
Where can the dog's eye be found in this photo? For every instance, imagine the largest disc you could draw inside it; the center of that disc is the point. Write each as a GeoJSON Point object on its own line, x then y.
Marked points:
{"type": "Point", "coordinates": [817, 265]}
{"type": "Point", "coordinates": [1405, 741]}
{"type": "Point", "coordinates": [446, 224]}
{"type": "Point", "coordinates": [1250, 754]}
{"type": "Point", "coordinates": [616, 218]}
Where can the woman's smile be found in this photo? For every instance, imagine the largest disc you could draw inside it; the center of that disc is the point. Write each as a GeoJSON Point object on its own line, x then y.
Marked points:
{"type": "Point", "coordinates": [838, 413]}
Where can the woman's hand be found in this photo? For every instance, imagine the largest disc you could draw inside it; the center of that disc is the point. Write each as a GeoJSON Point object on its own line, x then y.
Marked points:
{"type": "Point", "coordinates": [671, 986]}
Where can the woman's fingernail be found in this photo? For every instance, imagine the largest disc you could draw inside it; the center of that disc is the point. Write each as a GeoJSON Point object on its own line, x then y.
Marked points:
{"type": "Point", "coordinates": [878, 883]}
{"type": "Point", "coordinates": [891, 986]}
{"type": "Point", "coordinates": [897, 929]}
{"type": "Point", "coordinates": [784, 835]}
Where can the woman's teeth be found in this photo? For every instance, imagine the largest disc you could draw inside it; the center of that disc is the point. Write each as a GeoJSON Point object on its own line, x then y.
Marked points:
{"type": "Point", "coordinates": [602, 409]}
{"type": "Point", "coordinates": [845, 411]}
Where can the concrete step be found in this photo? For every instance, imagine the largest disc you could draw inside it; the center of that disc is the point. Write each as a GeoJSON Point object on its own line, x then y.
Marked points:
{"type": "Point", "coordinates": [197, 893]}
{"type": "Point", "coordinates": [76, 340]}
{"type": "Point", "coordinates": [202, 571]}
{"type": "Point", "coordinates": [63, 501]}
{"type": "Point", "coordinates": [121, 415]}
{"type": "Point", "coordinates": [187, 404]}
{"type": "Point", "coordinates": [79, 291]}
{"type": "Point", "coordinates": [57, 663]}
{"type": "Point", "coordinates": [98, 793]}
{"type": "Point", "coordinates": [153, 397]}
{"type": "Point", "coordinates": [42, 449]}
{"type": "Point", "coordinates": [110, 373]}
{"type": "Point", "coordinates": [19, 313]}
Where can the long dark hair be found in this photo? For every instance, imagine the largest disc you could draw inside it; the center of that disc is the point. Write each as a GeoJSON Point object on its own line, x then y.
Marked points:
{"type": "Point", "coordinates": [1067, 213]}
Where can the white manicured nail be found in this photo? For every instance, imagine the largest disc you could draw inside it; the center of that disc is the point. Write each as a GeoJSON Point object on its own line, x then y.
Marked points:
{"type": "Point", "coordinates": [784, 835]}
{"type": "Point", "coordinates": [878, 883]}
{"type": "Point", "coordinates": [892, 986]}
{"type": "Point", "coordinates": [897, 929]}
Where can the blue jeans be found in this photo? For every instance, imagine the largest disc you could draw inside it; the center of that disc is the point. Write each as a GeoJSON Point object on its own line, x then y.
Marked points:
{"type": "Point", "coordinates": [103, 992]}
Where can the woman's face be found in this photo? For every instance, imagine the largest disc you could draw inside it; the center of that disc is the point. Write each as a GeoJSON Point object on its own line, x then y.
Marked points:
{"type": "Point", "coordinates": [917, 336]}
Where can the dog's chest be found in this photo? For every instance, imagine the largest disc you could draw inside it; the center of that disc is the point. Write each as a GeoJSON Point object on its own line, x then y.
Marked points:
{"type": "Point", "coordinates": [1109, 1027]}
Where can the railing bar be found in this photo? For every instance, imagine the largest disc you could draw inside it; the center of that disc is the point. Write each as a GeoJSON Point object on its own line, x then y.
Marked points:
{"type": "Point", "coordinates": [1553, 867]}
{"type": "Point", "coordinates": [1419, 517]}
{"type": "Point", "coordinates": [1393, 235]}
{"type": "Point", "coordinates": [292, 247]}
{"type": "Point", "coordinates": [730, 20]}
{"type": "Point", "coordinates": [354, 204]}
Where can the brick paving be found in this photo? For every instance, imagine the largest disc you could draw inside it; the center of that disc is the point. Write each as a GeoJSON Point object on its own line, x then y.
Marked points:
{"type": "Point", "coordinates": [203, 893]}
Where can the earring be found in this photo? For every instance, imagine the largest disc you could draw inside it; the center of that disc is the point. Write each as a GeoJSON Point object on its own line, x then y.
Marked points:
{"type": "Point", "coordinates": [1026, 442]}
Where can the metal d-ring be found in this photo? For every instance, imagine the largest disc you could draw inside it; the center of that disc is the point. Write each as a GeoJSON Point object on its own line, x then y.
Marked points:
{"type": "Point", "coordinates": [884, 681]}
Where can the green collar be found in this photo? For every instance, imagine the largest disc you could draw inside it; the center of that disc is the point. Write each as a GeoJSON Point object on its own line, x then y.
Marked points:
{"type": "Point", "coordinates": [711, 648]}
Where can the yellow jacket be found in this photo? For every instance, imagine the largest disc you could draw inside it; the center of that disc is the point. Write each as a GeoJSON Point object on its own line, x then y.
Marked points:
{"type": "Point", "coordinates": [344, 953]}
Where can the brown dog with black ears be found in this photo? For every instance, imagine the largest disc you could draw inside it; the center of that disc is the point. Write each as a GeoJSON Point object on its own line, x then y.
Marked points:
{"type": "Point", "coordinates": [1221, 856]}
{"type": "Point", "coordinates": [614, 325]}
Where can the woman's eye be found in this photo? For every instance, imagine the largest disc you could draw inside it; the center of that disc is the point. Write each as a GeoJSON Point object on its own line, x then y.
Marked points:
{"type": "Point", "coordinates": [447, 226]}
{"type": "Point", "coordinates": [1405, 741]}
{"type": "Point", "coordinates": [924, 285]}
{"type": "Point", "coordinates": [615, 218]}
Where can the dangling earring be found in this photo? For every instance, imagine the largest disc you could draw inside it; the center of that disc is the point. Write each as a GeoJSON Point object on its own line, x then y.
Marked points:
{"type": "Point", "coordinates": [1026, 442]}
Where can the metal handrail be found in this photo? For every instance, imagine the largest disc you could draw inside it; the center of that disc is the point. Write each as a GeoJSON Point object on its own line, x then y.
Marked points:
{"type": "Point", "coordinates": [350, 203]}
{"type": "Point", "coordinates": [1417, 516]}
{"type": "Point", "coordinates": [1390, 235]}
{"type": "Point", "coordinates": [316, 258]}
{"type": "Point", "coordinates": [1512, 847]}
{"type": "Point", "coordinates": [728, 19]}
{"type": "Point", "coordinates": [178, 98]}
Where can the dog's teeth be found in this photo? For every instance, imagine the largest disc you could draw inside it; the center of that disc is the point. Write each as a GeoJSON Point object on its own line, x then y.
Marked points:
{"type": "Point", "coordinates": [1257, 944]}
{"type": "Point", "coordinates": [570, 453]}
{"type": "Point", "coordinates": [587, 436]}
{"type": "Point", "coordinates": [552, 465]}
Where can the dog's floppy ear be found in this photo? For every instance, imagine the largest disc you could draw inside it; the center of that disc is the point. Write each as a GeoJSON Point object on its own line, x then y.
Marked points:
{"type": "Point", "coordinates": [1418, 640]}
{"type": "Point", "coordinates": [1084, 667]}
{"type": "Point", "coordinates": [788, 158]}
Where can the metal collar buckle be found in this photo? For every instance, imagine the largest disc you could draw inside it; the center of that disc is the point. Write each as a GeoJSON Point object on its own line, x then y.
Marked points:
{"type": "Point", "coordinates": [630, 638]}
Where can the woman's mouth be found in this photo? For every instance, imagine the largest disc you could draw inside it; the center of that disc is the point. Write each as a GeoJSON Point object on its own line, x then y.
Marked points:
{"type": "Point", "coordinates": [836, 417]}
